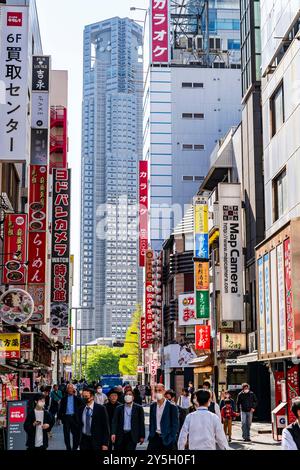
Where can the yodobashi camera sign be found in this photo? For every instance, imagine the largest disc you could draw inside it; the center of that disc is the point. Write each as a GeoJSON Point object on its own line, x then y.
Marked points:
{"type": "Point", "coordinates": [231, 252]}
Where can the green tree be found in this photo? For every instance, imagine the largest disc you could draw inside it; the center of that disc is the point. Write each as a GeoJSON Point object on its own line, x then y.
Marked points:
{"type": "Point", "coordinates": [128, 366]}
{"type": "Point", "coordinates": [100, 360]}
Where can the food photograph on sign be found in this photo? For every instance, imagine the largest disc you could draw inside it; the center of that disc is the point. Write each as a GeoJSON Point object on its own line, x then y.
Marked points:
{"type": "Point", "coordinates": [16, 307]}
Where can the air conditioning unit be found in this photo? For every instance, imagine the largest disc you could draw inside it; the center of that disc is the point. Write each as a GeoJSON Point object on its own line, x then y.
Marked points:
{"type": "Point", "coordinates": [199, 43]}
{"type": "Point", "coordinates": [252, 342]}
{"type": "Point", "coordinates": [214, 44]}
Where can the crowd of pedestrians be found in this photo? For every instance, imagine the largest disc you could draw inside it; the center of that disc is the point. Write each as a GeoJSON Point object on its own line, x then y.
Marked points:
{"type": "Point", "coordinates": [93, 420]}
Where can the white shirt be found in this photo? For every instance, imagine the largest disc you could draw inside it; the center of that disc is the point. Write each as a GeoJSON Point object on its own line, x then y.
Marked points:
{"type": "Point", "coordinates": [39, 416]}
{"type": "Point", "coordinates": [100, 398]}
{"type": "Point", "coordinates": [159, 413]}
{"type": "Point", "coordinates": [184, 402]}
{"type": "Point", "coordinates": [204, 431]}
{"type": "Point", "coordinates": [91, 406]}
{"type": "Point", "coordinates": [218, 411]}
{"type": "Point", "coordinates": [288, 442]}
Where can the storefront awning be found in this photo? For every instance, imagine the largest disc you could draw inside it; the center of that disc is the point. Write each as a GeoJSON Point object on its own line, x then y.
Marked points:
{"type": "Point", "coordinates": [246, 358]}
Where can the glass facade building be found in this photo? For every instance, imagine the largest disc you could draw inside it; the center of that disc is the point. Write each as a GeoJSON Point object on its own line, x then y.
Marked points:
{"type": "Point", "coordinates": [111, 281]}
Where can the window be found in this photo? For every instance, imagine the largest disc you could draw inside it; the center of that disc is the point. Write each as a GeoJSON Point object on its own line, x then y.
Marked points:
{"type": "Point", "coordinates": [187, 116]}
{"type": "Point", "coordinates": [198, 85]}
{"type": "Point", "coordinates": [198, 116]}
{"type": "Point", "coordinates": [187, 147]}
{"type": "Point", "coordinates": [277, 109]}
{"type": "Point", "coordinates": [187, 85]}
{"type": "Point", "coordinates": [199, 147]}
{"type": "Point", "coordinates": [187, 178]}
{"type": "Point", "coordinates": [279, 195]}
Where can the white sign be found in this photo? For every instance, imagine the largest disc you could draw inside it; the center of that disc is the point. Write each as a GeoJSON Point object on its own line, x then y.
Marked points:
{"type": "Point", "coordinates": [281, 298]}
{"type": "Point", "coordinates": [14, 78]}
{"type": "Point", "coordinates": [231, 252]}
{"type": "Point", "coordinates": [187, 310]}
{"type": "Point", "coordinates": [268, 303]}
{"type": "Point", "coordinates": [179, 355]}
{"type": "Point", "coordinates": [40, 110]}
{"type": "Point", "coordinates": [261, 303]}
{"type": "Point", "coordinates": [275, 323]}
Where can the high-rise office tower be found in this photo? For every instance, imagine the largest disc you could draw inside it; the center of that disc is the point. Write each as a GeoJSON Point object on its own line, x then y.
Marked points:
{"type": "Point", "coordinates": [111, 280]}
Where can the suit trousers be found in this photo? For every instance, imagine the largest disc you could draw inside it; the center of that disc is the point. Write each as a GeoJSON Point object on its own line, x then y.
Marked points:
{"type": "Point", "coordinates": [86, 442]}
{"type": "Point", "coordinates": [156, 444]}
{"type": "Point", "coordinates": [71, 426]}
{"type": "Point", "coordinates": [126, 444]}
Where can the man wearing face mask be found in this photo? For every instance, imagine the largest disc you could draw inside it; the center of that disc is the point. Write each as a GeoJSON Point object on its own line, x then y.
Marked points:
{"type": "Point", "coordinates": [246, 404]}
{"type": "Point", "coordinates": [100, 397]}
{"type": "Point", "coordinates": [128, 426]}
{"type": "Point", "coordinates": [95, 430]}
{"type": "Point", "coordinates": [164, 422]}
{"type": "Point", "coordinates": [37, 425]}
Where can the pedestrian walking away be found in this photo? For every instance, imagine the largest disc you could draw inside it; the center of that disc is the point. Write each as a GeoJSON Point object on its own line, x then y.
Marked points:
{"type": "Point", "coordinates": [246, 404]}
{"type": "Point", "coordinates": [94, 423]}
{"type": "Point", "coordinates": [202, 430]}
{"type": "Point", "coordinates": [137, 395]}
{"type": "Point", "coordinates": [291, 434]}
{"type": "Point", "coordinates": [128, 427]}
{"type": "Point", "coordinates": [68, 413]}
{"type": "Point", "coordinates": [37, 425]}
{"type": "Point", "coordinates": [164, 422]}
{"type": "Point", "coordinates": [228, 414]}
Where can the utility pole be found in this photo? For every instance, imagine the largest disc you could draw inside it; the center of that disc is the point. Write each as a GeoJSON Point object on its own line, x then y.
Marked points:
{"type": "Point", "coordinates": [81, 309]}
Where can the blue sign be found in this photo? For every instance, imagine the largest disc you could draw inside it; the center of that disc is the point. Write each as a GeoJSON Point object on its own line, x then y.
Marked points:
{"type": "Point", "coordinates": [201, 246]}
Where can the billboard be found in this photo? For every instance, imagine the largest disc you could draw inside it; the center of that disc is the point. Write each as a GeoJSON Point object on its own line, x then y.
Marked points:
{"type": "Point", "coordinates": [289, 295]}
{"type": "Point", "coordinates": [16, 417]}
{"type": "Point", "coordinates": [40, 73]}
{"type": "Point", "coordinates": [143, 211]}
{"type": "Point", "coordinates": [10, 345]}
{"type": "Point", "coordinates": [160, 31]}
{"type": "Point", "coordinates": [187, 310]}
{"type": "Point", "coordinates": [143, 339]}
{"type": "Point", "coordinates": [231, 252]}
{"type": "Point", "coordinates": [148, 294]}
{"type": "Point", "coordinates": [202, 337]}
{"type": "Point", "coordinates": [179, 355]}
{"type": "Point", "coordinates": [15, 249]}
{"type": "Point", "coordinates": [14, 79]}
{"type": "Point", "coordinates": [60, 268]}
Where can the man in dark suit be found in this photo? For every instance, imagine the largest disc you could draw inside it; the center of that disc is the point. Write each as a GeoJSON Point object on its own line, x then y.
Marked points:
{"type": "Point", "coordinates": [94, 423]}
{"type": "Point", "coordinates": [164, 422]}
{"type": "Point", "coordinates": [128, 428]}
{"type": "Point", "coordinates": [68, 413]}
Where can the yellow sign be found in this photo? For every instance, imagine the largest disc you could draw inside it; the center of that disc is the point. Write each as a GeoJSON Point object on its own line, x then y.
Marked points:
{"type": "Point", "coordinates": [201, 276]}
{"type": "Point", "coordinates": [201, 218]}
{"type": "Point", "coordinates": [10, 345]}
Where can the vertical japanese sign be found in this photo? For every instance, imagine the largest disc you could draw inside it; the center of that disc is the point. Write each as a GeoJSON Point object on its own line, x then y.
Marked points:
{"type": "Point", "coordinates": [15, 249]}
{"type": "Point", "coordinates": [14, 77]}
{"type": "Point", "coordinates": [144, 344]}
{"type": "Point", "coordinates": [37, 245]}
{"type": "Point", "coordinates": [201, 268]}
{"type": "Point", "coordinates": [149, 294]}
{"type": "Point", "coordinates": [293, 389]}
{"type": "Point", "coordinates": [281, 298]}
{"type": "Point", "coordinates": [60, 252]}
{"type": "Point", "coordinates": [160, 34]}
{"type": "Point", "coordinates": [231, 252]}
{"type": "Point", "coordinates": [40, 92]}
{"type": "Point", "coordinates": [202, 289]}
{"type": "Point", "coordinates": [143, 211]}
{"type": "Point", "coordinates": [268, 303]}
{"type": "Point", "coordinates": [16, 417]}
{"type": "Point", "coordinates": [289, 295]}
{"type": "Point", "coordinates": [274, 300]}
{"type": "Point", "coordinates": [202, 337]}
{"type": "Point", "coordinates": [261, 306]}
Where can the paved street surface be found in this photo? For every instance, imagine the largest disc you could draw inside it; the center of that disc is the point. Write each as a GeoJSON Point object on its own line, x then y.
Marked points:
{"type": "Point", "coordinates": [260, 434]}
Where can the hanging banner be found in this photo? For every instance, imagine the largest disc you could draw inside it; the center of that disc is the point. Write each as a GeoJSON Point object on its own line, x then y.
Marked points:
{"type": "Point", "coordinates": [15, 249]}
{"type": "Point", "coordinates": [144, 344]}
{"type": "Point", "coordinates": [289, 295]}
{"type": "Point", "coordinates": [9, 345]}
{"type": "Point", "coordinates": [187, 315]}
{"type": "Point", "coordinates": [201, 228]}
{"type": "Point", "coordinates": [268, 303]}
{"type": "Point", "coordinates": [293, 390]}
{"type": "Point", "coordinates": [231, 252]}
{"type": "Point", "coordinates": [60, 271]}
{"type": "Point", "coordinates": [38, 183]}
{"type": "Point", "coordinates": [39, 147]}
{"type": "Point", "coordinates": [160, 31]}
{"type": "Point", "coordinates": [202, 289]}
{"type": "Point", "coordinates": [202, 337]}
{"type": "Point", "coordinates": [143, 211]}
{"type": "Point", "coordinates": [261, 304]}
{"type": "Point", "coordinates": [148, 295]}
{"type": "Point", "coordinates": [37, 255]}
{"type": "Point", "coordinates": [281, 298]}
{"type": "Point", "coordinates": [40, 73]}
{"type": "Point", "coordinates": [14, 79]}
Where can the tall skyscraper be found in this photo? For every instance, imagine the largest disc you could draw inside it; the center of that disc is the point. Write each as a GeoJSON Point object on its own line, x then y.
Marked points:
{"type": "Point", "coordinates": [112, 135]}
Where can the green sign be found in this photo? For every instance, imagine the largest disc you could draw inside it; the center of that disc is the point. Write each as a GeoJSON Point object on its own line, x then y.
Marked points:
{"type": "Point", "coordinates": [202, 304]}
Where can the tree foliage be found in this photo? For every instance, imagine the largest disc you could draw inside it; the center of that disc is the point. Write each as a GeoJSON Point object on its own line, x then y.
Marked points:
{"type": "Point", "coordinates": [131, 348]}
{"type": "Point", "coordinates": [100, 360]}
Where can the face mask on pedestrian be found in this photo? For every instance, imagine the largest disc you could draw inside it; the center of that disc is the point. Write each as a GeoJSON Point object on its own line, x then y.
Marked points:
{"type": "Point", "coordinates": [99, 390]}
{"type": "Point", "coordinates": [159, 396]}
{"type": "Point", "coordinates": [40, 404]}
{"type": "Point", "coordinates": [128, 398]}
{"type": "Point", "coordinates": [86, 400]}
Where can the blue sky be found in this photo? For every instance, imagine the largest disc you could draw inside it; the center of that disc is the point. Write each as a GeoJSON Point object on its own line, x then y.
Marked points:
{"type": "Point", "coordinates": [62, 23]}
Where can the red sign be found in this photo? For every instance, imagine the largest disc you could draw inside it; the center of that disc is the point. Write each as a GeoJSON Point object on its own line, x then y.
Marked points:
{"type": "Point", "coordinates": [289, 295]}
{"type": "Point", "coordinates": [38, 293]}
{"type": "Point", "coordinates": [37, 256]}
{"type": "Point", "coordinates": [149, 295]}
{"type": "Point", "coordinates": [15, 249]}
{"type": "Point", "coordinates": [293, 390]}
{"type": "Point", "coordinates": [278, 377]}
{"type": "Point", "coordinates": [17, 414]}
{"type": "Point", "coordinates": [160, 43]}
{"type": "Point", "coordinates": [14, 19]}
{"type": "Point", "coordinates": [143, 211]}
{"type": "Point", "coordinates": [38, 176]}
{"type": "Point", "coordinates": [202, 337]}
{"type": "Point", "coordinates": [144, 344]}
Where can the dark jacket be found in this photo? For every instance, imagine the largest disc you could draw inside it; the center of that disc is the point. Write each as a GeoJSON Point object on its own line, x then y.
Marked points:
{"type": "Point", "coordinates": [111, 409]}
{"type": "Point", "coordinates": [31, 430]}
{"type": "Point", "coordinates": [169, 423]}
{"type": "Point", "coordinates": [100, 429]}
{"type": "Point", "coordinates": [78, 405]}
{"type": "Point", "coordinates": [137, 423]}
{"type": "Point", "coordinates": [246, 401]}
